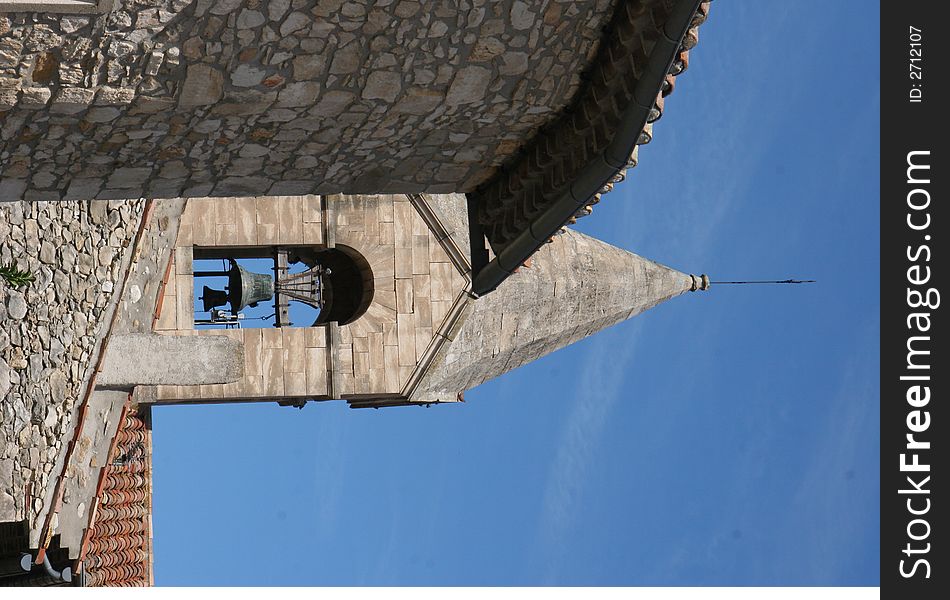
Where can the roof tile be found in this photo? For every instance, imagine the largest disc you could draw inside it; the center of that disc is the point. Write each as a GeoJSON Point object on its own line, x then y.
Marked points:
{"type": "Point", "coordinates": [118, 550]}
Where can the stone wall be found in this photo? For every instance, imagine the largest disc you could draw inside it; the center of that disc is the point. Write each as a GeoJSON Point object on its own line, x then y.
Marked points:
{"type": "Point", "coordinates": [415, 285]}
{"type": "Point", "coordinates": [50, 330]}
{"type": "Point", "coordinates": [168, 98]}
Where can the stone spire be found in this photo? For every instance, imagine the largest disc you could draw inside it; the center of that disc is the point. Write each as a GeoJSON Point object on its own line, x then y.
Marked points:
{"type": "Point", "coordinates": [573, 288]}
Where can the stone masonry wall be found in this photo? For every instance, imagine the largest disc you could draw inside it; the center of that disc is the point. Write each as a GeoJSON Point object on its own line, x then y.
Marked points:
{"type": "Point", "coordinates": [168, 98]}
{"type": "Point", "coordinates": [414, 279]}
{"type": "Point", "coordinates": [49, 331]}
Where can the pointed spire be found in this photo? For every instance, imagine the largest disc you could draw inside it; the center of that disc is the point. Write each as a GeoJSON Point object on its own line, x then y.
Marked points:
{"type": "Point", "coordinates": [573, 288]}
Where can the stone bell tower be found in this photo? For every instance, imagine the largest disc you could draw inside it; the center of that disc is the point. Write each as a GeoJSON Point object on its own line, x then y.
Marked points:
{"type": "Point", "coordinates": [400, 324]}
{"type": "Point", "coordinates": [396, 273]}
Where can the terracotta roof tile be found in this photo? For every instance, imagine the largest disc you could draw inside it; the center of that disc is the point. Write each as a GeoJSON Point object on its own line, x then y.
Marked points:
{"type": "Point", "coordinates": [680, 64]}
{"type": "Point", "coordinates": [117, 552]}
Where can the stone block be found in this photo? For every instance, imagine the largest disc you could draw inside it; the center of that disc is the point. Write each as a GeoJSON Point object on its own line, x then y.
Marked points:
{"type": "Point", "coordinates": [344, 359]}
{"type": "Point", "coordinates": [385, 208]}
{"type": "Point", "coordinates": [387, 234]}
{"type": "Point", "coordinates": [404, 214]}
{"type": "Point", "coordinates": [469, 85]}
{"type": "Point", "coordinates": [294, 346]}
{"type": "Point", "coordinates": [72, 100]}
{"type": "Point", "coordinates": [422, 308]}
{"type": "Point", "coordinates": [245, 214]}
{"type": "Point", "coordinates": [391, 357]}
{"type": "Point", "coordinates": [312, 209]}
{"type": "Point", "coordinates": [313, 233]}
{"type": "Point", "coordinates": [315, 337]}
{"type": "Point", "coordinates": [332, 103]}
{"type": "Point", "coordinates": [386, 282]}
{"type": "Point", "coordinates": [442, 281]}
{"type": "Point", "coordinates": [360, 340]}
{"type": "Point", "coordinates": [361, 367]}
{"type": "Point", "coordinates": [404, 295]}
{"type": "Point", "coordinates": [272, 338]}
{"type": "Point", "coordinates": [405, 331]}
{"type": "Point", "coordinates": [225, 235]}
{"type": "Point", "coordinates": [183, 261]}
{"type": "Point", "coordinates": [316, 371]}
{"type": "Point", "coordinates": [11, 190]}
{"type": "Point", "coordinates": [403, 263]}
{"type": "Point", "coordinates": [271, 359]}
{"type": "Point", "coordinates": [382, 85]}
{"type": "Point", "coordinates": [390, 338]}
{"type": "Point", "coordinates": [423, 339]}
{"type": "Point", "coordinates": [377, 382]}
{"type": "Point", "coordinates": [253, 346]}
{"type": "Point", "coordinates": [203, 86]}
{"type": "Point", "coordinates": [268, 222]}
{"type": "Point", "coordinates": [185, 301]}
{"type": "Point", "coordinates": [290, 219]}
{"type": "Point", "coordinates": [168, 317]}
{"type": "Point", "coordinates": [203, 219]}
{"type": "Point", "coordinates": [295, 383]}
{"type": "Point", "coordinates": [439, 309]}
{"type": "Point", "coordinates": [301, 93]}
{"type": "Point", "coordinates": [374, 347]}
{"type": "Point", "coordinates": [419, 101]}
{"type": "Point", "coordinates": [148, 359]}
{"type": "Point", "coordinates": [224, 211]}
{"type": "Point", "coordinates": [420, 255]}
{"type": "Point", "coordinates": [185, 235]}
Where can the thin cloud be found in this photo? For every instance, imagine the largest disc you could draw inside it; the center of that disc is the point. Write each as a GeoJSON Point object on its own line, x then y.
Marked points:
{"type": "Point", "coordinates": [596, 393]}
{"type": "Point", "coordinates": [827, 494]}
{"type": "Point", "coordinates": [329, 472]}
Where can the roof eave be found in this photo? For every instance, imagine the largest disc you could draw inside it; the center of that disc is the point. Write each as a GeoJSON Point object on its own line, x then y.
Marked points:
{"type": "Point", "coordinates": [599, 172]}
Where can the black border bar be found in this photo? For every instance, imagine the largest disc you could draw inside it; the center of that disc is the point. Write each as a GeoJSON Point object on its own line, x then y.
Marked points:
{"type": "Point", "coordinates": [915, 371]}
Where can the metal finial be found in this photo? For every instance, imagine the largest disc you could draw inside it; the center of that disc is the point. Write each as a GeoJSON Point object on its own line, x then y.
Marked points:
{"type": "Point", "coordinates": [765, 281]}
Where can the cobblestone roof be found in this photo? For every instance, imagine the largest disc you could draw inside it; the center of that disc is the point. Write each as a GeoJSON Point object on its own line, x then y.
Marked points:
{"type": "Point", "coordinates": [50, 331]}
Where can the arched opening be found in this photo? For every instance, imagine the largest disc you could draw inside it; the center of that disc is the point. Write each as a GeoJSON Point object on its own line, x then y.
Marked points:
{"type": "Point", "coordinates": [280, 286]}
{"type": "Point", "coordinates": [347, 288]}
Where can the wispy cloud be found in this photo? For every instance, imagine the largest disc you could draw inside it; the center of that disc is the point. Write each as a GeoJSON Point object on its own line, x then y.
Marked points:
{"type": "Point", "coordinates": [827, 497]}
{"type": "Point", "coordinates": [329, 474]}
{"type": "Point", "coordinates": [596, 392]}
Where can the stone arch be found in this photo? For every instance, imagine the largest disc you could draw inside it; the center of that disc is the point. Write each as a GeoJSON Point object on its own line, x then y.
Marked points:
{"type": "Point", "coordinates": [349, 287]}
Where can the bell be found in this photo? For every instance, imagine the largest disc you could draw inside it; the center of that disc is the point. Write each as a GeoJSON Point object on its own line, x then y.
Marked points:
{"type": "Point", "coordinates": [246, 288]}
{"type": "Point", "coordinates": [213, 298]}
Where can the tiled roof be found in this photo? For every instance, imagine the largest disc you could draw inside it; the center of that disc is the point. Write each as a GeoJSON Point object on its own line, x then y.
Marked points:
{"type": "Point", "coordinates": [680, 64]}
{"type": "Point", "coordinates": [521, 198]}
{"type": "Point", "coordinates": [117, 551]}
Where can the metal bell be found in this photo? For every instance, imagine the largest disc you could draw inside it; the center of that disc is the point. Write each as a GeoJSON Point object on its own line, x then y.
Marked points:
{"type": "Point", "coordinates": [246, 288]}
{"type": "Point", "coordinates": [213, 298]}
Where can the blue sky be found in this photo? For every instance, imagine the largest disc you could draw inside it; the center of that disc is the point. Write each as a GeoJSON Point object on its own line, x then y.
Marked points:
{"type": "Point", "coordinates": [725, 438]}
